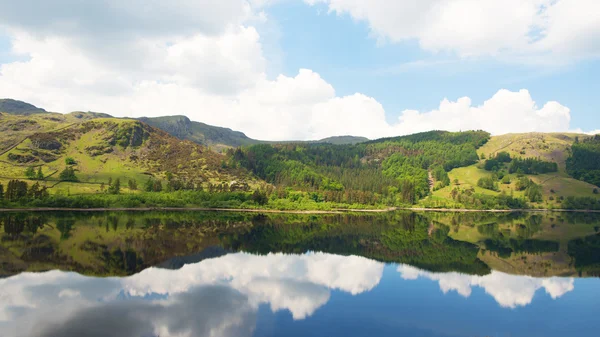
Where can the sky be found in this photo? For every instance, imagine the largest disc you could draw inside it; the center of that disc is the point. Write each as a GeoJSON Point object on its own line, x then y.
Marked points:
{"type": "Point", "coordinates": [309, 69]}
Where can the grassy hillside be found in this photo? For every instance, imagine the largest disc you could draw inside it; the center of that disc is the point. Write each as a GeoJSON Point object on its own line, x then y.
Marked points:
{"type": "Point", "coordinates": [103, 149]}
{"type": "Point", "coordinates": [550, 147]}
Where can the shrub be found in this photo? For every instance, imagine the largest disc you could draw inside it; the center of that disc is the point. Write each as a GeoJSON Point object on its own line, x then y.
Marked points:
{"type": "Point", "coordinates": [68, 174]}
{"type": "Point", "coordinates": [70, 161]}
{"type": "Point", "coordinates": [488, 183]}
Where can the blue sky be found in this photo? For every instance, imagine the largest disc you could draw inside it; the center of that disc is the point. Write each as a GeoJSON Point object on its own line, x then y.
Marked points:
{"type": "Point", "coordinates": [307, 69]}
{"type": "Point", "coordinates": [341, 50]}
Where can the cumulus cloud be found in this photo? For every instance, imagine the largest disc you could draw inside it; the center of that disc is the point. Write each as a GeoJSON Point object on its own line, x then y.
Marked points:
{"type": "Point", "coordinates": [567, 29]}
{"type": "Point", "coordinates": [205, 59]}
{"type": "Point", "coordinates": [509, 291]}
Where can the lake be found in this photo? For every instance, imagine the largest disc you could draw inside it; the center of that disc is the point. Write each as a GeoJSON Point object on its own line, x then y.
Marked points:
{"type": "Point", "coordinates": [239, 274]}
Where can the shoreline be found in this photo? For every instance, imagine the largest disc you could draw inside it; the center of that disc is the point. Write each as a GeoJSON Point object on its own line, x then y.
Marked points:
{"type": "Point", "coordinates": [275, 211]}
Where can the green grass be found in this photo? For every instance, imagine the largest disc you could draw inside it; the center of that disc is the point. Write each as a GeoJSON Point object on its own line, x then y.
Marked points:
{"type": "Point", "coordinates": [548, 146]}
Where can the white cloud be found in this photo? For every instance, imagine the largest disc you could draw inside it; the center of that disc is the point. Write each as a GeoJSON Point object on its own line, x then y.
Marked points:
{"type": "Point", "coordinates": [505, 112]}
{"type": "Point", "coordinates": [566, 29]}
{"type": "Point", "coordinates": [213, 69]}
{"type": "Point", "coordinates": [509, 291]}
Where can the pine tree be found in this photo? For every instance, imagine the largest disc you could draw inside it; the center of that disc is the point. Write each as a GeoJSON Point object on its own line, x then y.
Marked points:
{"type": "Point", "coordinates": [149, 186]}
{"type": "Point", "coordinates": [40, 174]}
{"type": "Point", "coordinates": [30, 172]}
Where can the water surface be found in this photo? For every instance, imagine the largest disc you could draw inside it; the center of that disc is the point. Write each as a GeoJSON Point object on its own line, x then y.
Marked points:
{"type": "Point", "coordinates": [210, 274]}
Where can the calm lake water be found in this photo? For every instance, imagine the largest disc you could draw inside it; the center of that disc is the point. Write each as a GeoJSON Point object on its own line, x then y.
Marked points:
{"type": "Point", "coordinates": [227, 274]}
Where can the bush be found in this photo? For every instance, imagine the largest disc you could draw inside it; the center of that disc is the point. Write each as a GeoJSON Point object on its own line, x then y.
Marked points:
{"type": "Point", "coordinates": [506, 180]}
{"type": "Point", "coordinates": [488, 183]}
{"type": "Point", "coordinates": [522, 183]}
{"type": "Point", "coordinates": [260, 197]}
{"type": "Point", "coordinates": [534, 192]}
{"type": "Point", "coordinates": [70, 161]}
{"type": "Point", "coordinates": [595, 191]}
{"type": "Point", "coordinates": [68, 174]}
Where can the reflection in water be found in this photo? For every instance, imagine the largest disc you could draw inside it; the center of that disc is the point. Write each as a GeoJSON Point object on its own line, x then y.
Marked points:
{"type": "Point", "coordinates": [220, 296]}
{"type": "Point", "coordinates": [216, 297]}
{"type": "Point", "coordinates": [508, 290]}
{"type": "Point", "coordinates": [230, 274]}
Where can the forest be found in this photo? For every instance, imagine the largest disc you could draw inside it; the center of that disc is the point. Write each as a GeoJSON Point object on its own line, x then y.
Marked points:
{"type": "Point", "coordinates": [584, 163]}
{"type": "Point", "coordinates": [390, 171]}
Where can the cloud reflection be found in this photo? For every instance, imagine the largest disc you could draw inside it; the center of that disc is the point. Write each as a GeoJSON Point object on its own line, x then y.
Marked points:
{"type": "Point", "coordinates": [216, 297]}
{"type": "Point", "coordinates": [510, 291]}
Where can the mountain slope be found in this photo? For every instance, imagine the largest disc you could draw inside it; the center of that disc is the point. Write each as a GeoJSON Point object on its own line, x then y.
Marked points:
{"type": "Point", "coordinates": [208, 135]}
{"type": "Point", "coordinates": [549, 147]}
{"type": "Point", "coordinates": [111, 148]}
{"type": "Point", "coordinates": [219, 138]}
{"type": "Point", "coordinates": [343, 140]}
{"type": "Point", "coordinates": [15, 107]}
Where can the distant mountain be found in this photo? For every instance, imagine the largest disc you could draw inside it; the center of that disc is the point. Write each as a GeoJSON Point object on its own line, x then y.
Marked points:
{"type": "Point", "coordinates": [215, 137]}
{"type": "Point", "coordinates": [15, 107]}
{"type": "Point", "coordinates": [219, 138]}
{"type": "Point", "coordinates": [89, 115]}
{"type": "Point", "coordinates": [343, 140]}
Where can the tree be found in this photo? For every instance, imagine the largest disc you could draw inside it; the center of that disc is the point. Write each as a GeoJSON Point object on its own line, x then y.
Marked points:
{"type": "Point", "coordinates": [149, 186]}
{"type": "Point", "coordinates": [37, 192]}
{"type": "Point", "coordinates": [70, 161]}
{"type": "Point", "coordinates": [488, 183]}
{"type": "Point", "coordinates": [40, 174]}
{"type": "Point", "coordinates": [595, 190]}
{"type": "Point", "coordinates": [534, 192]}
{"type": "Point", "coordinates": [68, 174]}
{"type": "Point", "coordinates": [132, 184]}
{"type": "Point", "coordinates": [115, 187]}
{"type": "Point", "coordinates": [157, 187]}
{"type": "Point", "coordinates": [1, 192]}
{"type": "Point", "coordinates": [260, 197]}
{"type": "Point", "coordinates": [506, 180]}
{"type": "Point", "coordinates": [30, 172]}
{"type": "Point", "coordinates": [522, 183]}
{"type": "Point", "coordinates": [16, 190]}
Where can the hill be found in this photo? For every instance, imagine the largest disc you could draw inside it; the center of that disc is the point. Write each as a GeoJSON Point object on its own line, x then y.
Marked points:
{"type": "Point", "coordinates": [547, 147]}
{"type": "Point", "coordinates": [105, 149]}
{"type": "Point", "coordinates": [14, 107]}
{"type": "Point", "coordinates": [433, 169]}
{"type": "Point", "coordinates": [214, 137]}
{"type": "Point", "coordinates": [220, 139]}
{"type": "Point", "coordinates": [343, 140]}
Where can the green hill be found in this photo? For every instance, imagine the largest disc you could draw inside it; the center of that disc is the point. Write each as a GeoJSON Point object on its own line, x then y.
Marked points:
{"type": "Point", "coordinates": [548, 147]}
{"type": "Point", "coordinates": [14, 107]}
{"type": "Point", "coordinates": [103, 149]}
{"type": "Point", "coordinates": [433, 169]}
